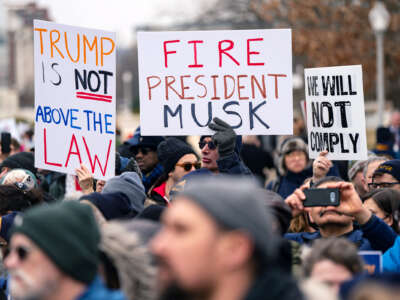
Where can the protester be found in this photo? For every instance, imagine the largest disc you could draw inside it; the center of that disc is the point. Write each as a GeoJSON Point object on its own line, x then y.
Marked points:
{"type": "Point", "coordinates": [333, 261]}
{"type": "Point", "coordinates": [216, 243]}
{"type": "Point", "coordinates": [144, 149]}
{"type": "Point", "coordinates": [337, 221]}
{"type": "Point", "coordinates": [21, 160]}
{"type": "Point", "coordinates": [387, 175]}
{"type": "Point", "coordinates": [384, 203]}
{"type": "Point", "coordinates": [220, 152]}
{"type": "Point", "coordinates": [54, 255]}
{"type": "Point", "coordinates": [177, 159]}
{"type": "Point", "coordinates": [371, 165]}
{"type": "Point", "coordinates": [294, 167]}
{"type": "Point", "coordinates": [18, 197]}
{"type": "Point", "coordinates": [131, 186]}
{"type": "Point", "coordinates": [128, 263]}
{"type": "Point", "coordinates": [356, 176]}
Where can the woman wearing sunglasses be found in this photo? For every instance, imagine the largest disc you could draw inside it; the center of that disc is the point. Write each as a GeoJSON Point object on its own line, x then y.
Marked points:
{"type": "Point", "coordinates": [178, 159]}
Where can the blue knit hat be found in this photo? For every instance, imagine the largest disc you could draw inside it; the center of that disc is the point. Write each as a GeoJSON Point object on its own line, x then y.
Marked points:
{"type": "Point", "coordinates": [391, 167]}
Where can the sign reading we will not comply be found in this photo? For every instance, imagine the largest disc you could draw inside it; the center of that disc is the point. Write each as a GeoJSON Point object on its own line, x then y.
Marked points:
{"type": "Point", "coordinates": [241, 76]}
{"type": "Point", "coordinates": [335, 112]}
{"type": "Point", "coordinates": [74, 99]}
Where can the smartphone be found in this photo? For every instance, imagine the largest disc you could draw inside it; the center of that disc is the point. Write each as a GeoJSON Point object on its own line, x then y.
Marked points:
{"type": "Point", "coordinates": [322, 197]}
{"type": "Point", "coordinates": [5, 142]}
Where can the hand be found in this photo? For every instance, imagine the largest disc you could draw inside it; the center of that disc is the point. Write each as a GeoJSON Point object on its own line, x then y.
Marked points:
{"type": "Point", "coordinates": [321, 166]}
{"type": "Point", "coordinates": [295, 201]}
{"type": "Point", "coordinates": [85, 179]}
{"type": "Point", "coordinates": [350, 202]}
{"type": "Point", "coordinates": [224, 137]}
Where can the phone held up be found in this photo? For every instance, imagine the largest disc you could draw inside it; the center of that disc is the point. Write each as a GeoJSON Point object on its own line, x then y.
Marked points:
{"type": "Point", "coordinates": [322, 197]}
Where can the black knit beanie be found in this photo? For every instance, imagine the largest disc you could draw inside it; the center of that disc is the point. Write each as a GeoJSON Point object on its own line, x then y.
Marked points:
{"type": "Point", "coordinates": [170, 151]}
{"type": "Point", "coordinates": [20, 160]}
{"type": "Point", "coordinates": [67, 232]}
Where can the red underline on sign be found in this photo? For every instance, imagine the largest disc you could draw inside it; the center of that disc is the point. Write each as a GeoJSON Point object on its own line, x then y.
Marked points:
{"type": "Point", "coordinates": [90, 96]}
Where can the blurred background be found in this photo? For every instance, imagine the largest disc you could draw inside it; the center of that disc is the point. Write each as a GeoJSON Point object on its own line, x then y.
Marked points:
{"type": "Point", "coordinates": [325, 33]}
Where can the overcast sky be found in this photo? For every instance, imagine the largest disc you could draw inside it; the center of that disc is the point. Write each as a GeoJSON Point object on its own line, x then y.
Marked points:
{"type": "Point", "coordinates": [120, 15]}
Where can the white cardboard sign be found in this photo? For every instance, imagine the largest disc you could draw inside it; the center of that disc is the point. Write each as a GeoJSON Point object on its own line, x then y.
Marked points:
{"type": "Point", "coordinates": [241, 76]}
{"type": "Point", "coordinates": [335, 112]}
{"type": "Point", "coordinates": [74, 98]}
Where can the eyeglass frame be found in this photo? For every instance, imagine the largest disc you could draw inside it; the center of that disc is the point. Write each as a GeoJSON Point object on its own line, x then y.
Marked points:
{"type": "Point", "coordinates": [196, 165]}
{"type": "Point", "coordinates": [143, 150]}
{"type": "Point", "coordinates": [211, 145]}
{"type": "Point", "coordinates": [22, 252]}
{"type": "Point", "coordinates": [376, 184]}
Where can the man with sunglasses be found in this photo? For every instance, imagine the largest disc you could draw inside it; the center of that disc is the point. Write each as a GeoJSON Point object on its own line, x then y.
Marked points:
{"type": "Point", "coordinates": [387, 175]}
{"type": "Point", "coordinates": [144, 149]}
{"type": "Point", "coordinates": [177, 159]}
{"type": "Point", "coordinates": [53, 254]}
{"type": "Point", "coordinates": [220, 153]}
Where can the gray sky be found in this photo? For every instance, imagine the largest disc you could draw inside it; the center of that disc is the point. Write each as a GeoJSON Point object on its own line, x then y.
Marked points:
{"type": "Point", "coordinates": [120, 15]}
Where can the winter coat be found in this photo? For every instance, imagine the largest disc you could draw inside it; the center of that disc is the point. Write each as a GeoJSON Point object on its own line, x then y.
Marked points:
{"type": "Point", "coordinates": [97, 291]}
{"type": "Point", "coordinates": [373, 235]}
{"type": "Point", "coordinates": [391, 258]}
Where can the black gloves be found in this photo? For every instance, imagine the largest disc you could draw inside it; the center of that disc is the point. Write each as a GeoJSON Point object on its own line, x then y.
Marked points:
{"type": "Point", "coordinates": [224, 137]}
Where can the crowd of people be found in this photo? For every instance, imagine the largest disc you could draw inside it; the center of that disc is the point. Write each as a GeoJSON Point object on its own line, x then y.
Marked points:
{"type": "Point", "coordinates": [222, 219]}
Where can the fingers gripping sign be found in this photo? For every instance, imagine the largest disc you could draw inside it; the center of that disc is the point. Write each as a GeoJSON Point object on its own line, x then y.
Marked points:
{"type": "Point", "coordinates": [321, 166]}
{"type": "Point", "coordinates": [85, 179]}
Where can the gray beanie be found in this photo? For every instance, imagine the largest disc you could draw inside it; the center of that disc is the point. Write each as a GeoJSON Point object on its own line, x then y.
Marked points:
{"type": "Point", "coordinates": [357, 167]}
{"type": "Point", "coordinates": [234, 204]}
{"type": "Point", "coordinates": [130, 184]}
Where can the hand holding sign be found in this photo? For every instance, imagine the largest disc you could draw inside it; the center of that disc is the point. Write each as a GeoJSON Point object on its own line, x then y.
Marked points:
{"type": "Point", "coordinates": [85, 179]}
{"type": "Point", "coordinates": [321, 166]}
{"type": "Point", "coordinates": [224, 138]}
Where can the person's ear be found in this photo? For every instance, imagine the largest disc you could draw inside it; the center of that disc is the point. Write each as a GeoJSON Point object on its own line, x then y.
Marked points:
{"type": "Point", "coordinates": [389, 219]}
{"type": "Point", "coordinates": [235, 250]}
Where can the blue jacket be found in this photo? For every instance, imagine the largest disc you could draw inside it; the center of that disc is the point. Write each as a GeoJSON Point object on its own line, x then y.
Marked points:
{"type": "Point", "coordinates": [391, 258]}
{"type": "Point", "coordinates": [373, 235]}
{"type": "Point", "coordinates": [97, 291]}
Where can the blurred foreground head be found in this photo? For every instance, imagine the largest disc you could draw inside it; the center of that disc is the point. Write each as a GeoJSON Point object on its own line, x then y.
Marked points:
{"type": "Point", "coordinates": [216, 230]}
{"type": "Point", "coordinates": [53, 249]}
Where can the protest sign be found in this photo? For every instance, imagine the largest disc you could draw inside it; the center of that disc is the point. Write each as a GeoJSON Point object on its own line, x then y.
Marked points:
{"type": "Point", "coordinates": [241, 76]}
{"type": "Point", "coordinates": [74, 99]}
{"type": "Point", "coordinates": [335, 112]}
{"type": "Point", "coordinates": [373, 261]}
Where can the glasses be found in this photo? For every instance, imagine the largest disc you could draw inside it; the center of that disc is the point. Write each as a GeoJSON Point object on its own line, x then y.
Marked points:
{"type": "Point", "coordinates": [210, 145]}
{"type": "Point", "coordinates": [188, 166]}
{"type": "Point", "coordinates": [376, 185]}
{"type": "Point", "coordinates": [21, 251]}
{"type": "Point", "coordinates": [144, 151]}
